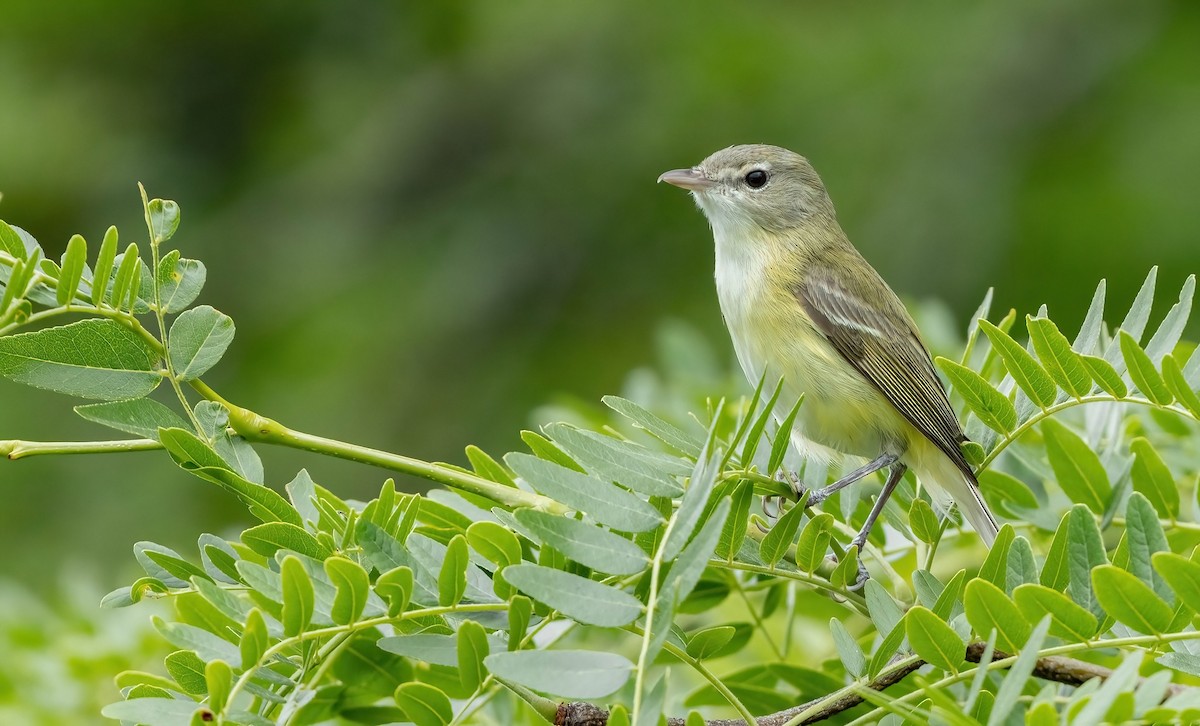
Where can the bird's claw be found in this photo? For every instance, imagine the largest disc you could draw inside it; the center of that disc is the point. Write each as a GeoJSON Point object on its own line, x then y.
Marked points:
{"type": "Point", "coordinates": [861, 579]}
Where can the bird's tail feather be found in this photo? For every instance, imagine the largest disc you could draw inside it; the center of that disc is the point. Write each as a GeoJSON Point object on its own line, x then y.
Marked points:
{"type": "Point", "coordinates": [943, 478]}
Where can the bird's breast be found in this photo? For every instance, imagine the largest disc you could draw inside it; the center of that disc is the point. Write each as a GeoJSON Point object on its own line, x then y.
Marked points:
{"type": "Point", "coordinates": [773, 337]}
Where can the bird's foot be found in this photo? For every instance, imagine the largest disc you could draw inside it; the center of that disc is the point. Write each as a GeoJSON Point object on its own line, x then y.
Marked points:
{"type": "Point", "coordinates": [858, 543]}
{"type": "Point", "coordinates": [815, 496]}
{"type": "Point", "coordinates": [861, 579]}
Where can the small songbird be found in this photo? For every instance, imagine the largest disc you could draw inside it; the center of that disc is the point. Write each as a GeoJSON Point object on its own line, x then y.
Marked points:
{"type": "Point", "coordinates": [801, 303]}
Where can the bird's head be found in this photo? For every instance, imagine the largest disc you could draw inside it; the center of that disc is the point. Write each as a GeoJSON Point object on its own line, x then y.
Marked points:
{"type": "Point", "coordinates": [755, 185]}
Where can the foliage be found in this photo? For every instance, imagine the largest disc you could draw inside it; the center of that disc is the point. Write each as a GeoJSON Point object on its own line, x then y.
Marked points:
{"type": "Point", "coordinates": [641, 561]}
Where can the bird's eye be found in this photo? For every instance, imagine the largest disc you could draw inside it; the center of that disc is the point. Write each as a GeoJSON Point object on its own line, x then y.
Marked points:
{"type": "Point", "coordinates": [756, 179]}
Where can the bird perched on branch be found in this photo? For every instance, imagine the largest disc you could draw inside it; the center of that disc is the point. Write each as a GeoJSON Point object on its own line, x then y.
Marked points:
{"type": "Point", "coordinates": [802, 304]}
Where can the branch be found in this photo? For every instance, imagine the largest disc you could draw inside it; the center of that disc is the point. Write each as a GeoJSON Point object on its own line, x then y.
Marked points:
{"type": "Point", "coordinates": [1051, 668]}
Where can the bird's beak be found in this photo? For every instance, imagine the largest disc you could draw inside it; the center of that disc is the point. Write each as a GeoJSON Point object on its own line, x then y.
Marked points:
{"type": "Point", "coordinates": [690, 179]}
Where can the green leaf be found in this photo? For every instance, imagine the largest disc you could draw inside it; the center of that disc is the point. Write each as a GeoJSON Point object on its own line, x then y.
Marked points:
{"type": "Point", "coordinates": [848, 648]}
{"type": "Point", "coordinates": [128, 279]}
{"type": "Point", "coordinates": [154, 711]}
{"type": "Point", "coordinates": [452, 580]}
{"type": "Point", "coordinates": [353, 586]}
{"type": "Point", "coordinates": [138, 416]}
{"type": "Point", "coordinates": [1182, 574]}
{"type": "Point", "coordinates": [579, 674]}
{"type": "Point", "coordinates": [1173, 324]}
{"type": "Point", "coordinates": [188, 637]}
{"type": "Point", "coordinates": [780, 537]}
{"type": "Point", "coordinates": [884, 610]}
{"type": "Point", "coordinates": [814, 542]}
{"type": "Point", "coordinates": [1178, 385]}
{"type": "Point", "coordinates": [690, 564]}
{"type": "Point", "coordinates": [587, 544]}
{"type": "Point", "coordinates": [219, 679]}
{"type": "Point", "coordinates": [199, 337]}
{"type": "Point", "coordinates": [495, 543]}
{"type": "Point", "coordinates": [162, 216]}
{"type": "Point", "coordinates": [423, 704]}
{"type": "Point", "coordinates": [254, 639]}
{"type": "Point", "coordinates": [783, 436]}
{"type": "Point", "coordinates": [1068, 620]}
{"type": "Point", "coordinates": [1144, 537]}
{"type": "Point", "coordinates": [73, 262]}
{"type": "Point", "coordinates": [104, 266]}
{"type": "Point", "coordinates": [991, 406]}
{"type": "Point", "coordinates": [297, 596]}
{"type": "Point", "coordinates": [1018, 676]}
{"type": "Point", "coordinates": [734, 531]}
{"type": "Point", "coordinates": [887, 648]}
{"type": "Point", "coordinates": [1026, 372]}
{"type": "Point", "coordinates": [995, 568]}
{"type": "Point", "coordinates": [1085, 552]}
{"type": "Point", "coordinates": [1088, 339]}
{"type": "Point", "coordinates": [520, 610]}
{"type": "Point", "coordinates": [754, 435]}
{"type": "Point", "coordinates": [602, 501]}
{"type": "Point", "coordinates": [934, 640]}
{"type": "Point", "coordinates": [472, 647]}
{"type": "Point", "coordinates": [923, 521]}
{"type": "Point", "coordinates": [1055, 572]}
{"type": "Point", "coordinates": [99, 359]}
{"type": "Point", "coordinates": [1078, 469]}
{"type": "Point", "coordinates": [487, 467]}
{"type": "Point", "coordinates": [988, 609]}
{"type": "Point", "coordinates": [1153, 479]}
{"type": "Point", "coordinates": [11, 242]}
{"type": "Point", "coordinates": [579, 598]}
{"type": "Point", "coordinates": [188, 671]}
{"type": "Point", "coordinates": [691, 507]}
{"type": "Point", "coordinates": [945, 603]}
{"type": "Point", "coordinates": [1143, 372]}
{"type": "Point", "coordinates": [1021, 567]}
{"type": "Point", "coordinates": [179, 282]}
{"type": "Point", "coordinates": [396, 586]}
{"type": "Point", "coordinates": [706, 643]}
{"type": "Point", "coordinates": [268, 538]}
{"type": "Point", "coordinates": [197, 457]}
{"type": "Point", "coordinates": [1130, 600]}
{"type": "Point", "coordinates": [1060, 361]}
{"type": "Point", "coordinates": [624, 462]}
{"type": "Point", "coordinates": [1105, 375]}
{"type": "Point", "coordinates": [668, 433]}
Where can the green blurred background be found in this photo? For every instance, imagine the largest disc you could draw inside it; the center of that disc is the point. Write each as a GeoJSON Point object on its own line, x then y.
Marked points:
{"type": "Point", "coordinates": [429, 218]}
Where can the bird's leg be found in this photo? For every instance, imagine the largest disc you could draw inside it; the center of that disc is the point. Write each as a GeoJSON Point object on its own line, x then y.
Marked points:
{"type": "Point", "coordinates": [860, 539]}
{"type": "Point", "coordinates": [816, 496]}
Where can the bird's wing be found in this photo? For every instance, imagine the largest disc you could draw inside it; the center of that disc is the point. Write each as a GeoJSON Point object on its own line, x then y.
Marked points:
{"type": "Point", "coordinates": [882, 343]}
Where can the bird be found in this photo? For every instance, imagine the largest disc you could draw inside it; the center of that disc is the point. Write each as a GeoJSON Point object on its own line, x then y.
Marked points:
{"type": "Point", "coordinates": [802, 303]}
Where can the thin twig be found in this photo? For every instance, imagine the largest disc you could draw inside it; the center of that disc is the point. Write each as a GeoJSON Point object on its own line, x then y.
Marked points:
{"type": "Point", "coordinates": [1051, 668]}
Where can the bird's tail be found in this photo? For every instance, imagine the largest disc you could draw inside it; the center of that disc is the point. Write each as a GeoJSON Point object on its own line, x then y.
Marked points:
{"type": "Point", "coordinates": [945, 481]}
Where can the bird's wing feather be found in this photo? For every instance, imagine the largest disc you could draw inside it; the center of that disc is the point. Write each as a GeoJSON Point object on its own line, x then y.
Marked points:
{"type": "Point", "coordinates": [882, 343]}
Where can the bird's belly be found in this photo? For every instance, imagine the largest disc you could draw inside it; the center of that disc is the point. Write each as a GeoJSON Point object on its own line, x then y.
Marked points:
{"type": "Point", "coordinates": [842, 411]}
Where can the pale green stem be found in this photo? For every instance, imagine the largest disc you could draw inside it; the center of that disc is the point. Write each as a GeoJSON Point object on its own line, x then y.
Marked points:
{"type": "Point", "coordinates": [854, 599]}
{"type": "Point", "coordinates": [349, 628]}
{"type": "Point", "coordinates": [161, 318]}
{"type": "Point", "coordinates": [639, 684]}
{"type": "Point", "coordinates": [1045, 413]}
{"type": "Point", "coordinates": [16, 449]}
{"type": "Point", "coordinates": [696, 665]}
{"type": "Point", "coordinates": [254, 427]}
{"type": "Point", "coordinates": [104, 312]}
{"type": "Point", "coordinates": [757, 619]}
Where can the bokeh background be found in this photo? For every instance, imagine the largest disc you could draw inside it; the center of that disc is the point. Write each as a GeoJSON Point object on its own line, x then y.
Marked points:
{"type": "Point", "coordinates": [430, 218]}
